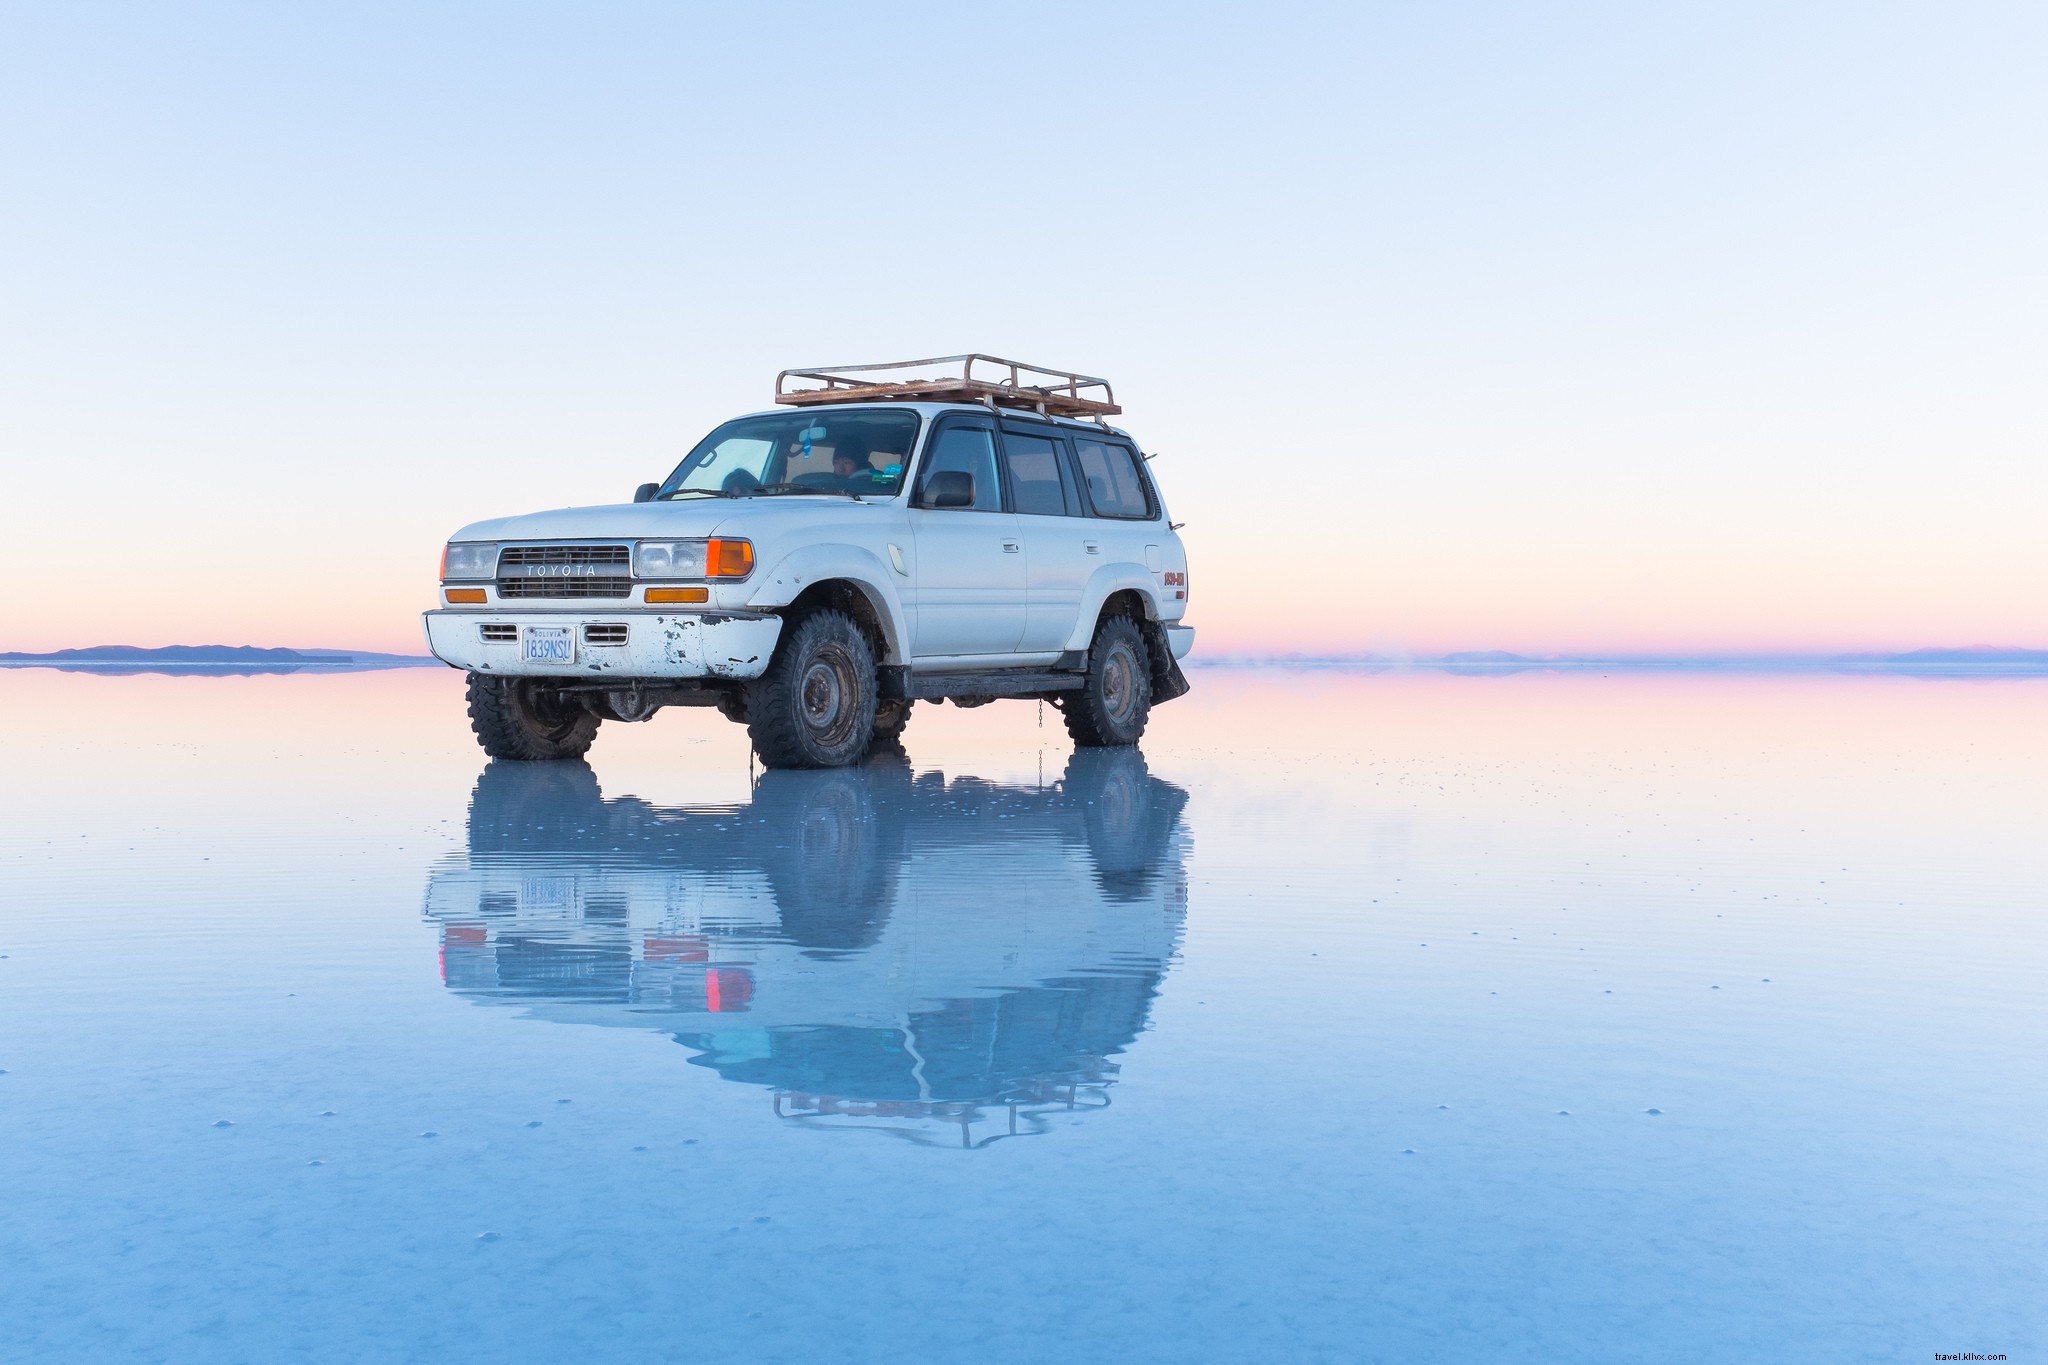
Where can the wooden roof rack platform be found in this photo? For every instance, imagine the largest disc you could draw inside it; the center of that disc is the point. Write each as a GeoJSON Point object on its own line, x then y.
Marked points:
{"type": "Point", "coordinates": [1000, 383]}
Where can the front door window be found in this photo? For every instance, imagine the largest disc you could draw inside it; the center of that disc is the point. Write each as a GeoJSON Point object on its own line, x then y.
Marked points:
{"type": "Point", "coordinates": [964, 450]}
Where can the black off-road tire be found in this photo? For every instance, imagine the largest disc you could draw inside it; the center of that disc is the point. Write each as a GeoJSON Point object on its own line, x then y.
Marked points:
{"type": "Point", "coordinates": [525, 720]}
{"type": "Point", "coordinates": [815, 706]}
{"type": "Point", "coordinates": [890, 718]}
{"type": "Point", "coordinates": [1111, 708]}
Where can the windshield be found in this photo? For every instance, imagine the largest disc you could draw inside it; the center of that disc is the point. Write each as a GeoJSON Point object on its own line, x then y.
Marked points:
{"type": "Point", "coordinates": [862, 453]}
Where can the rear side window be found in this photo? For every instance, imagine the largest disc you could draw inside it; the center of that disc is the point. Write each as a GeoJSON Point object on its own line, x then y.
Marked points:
{"type": "Point", "coordinates": [1110, 471]}
{"type": "Point", "coordinates": [971, 451]}
{"type": "Point", "coordinates": [1037, 475]}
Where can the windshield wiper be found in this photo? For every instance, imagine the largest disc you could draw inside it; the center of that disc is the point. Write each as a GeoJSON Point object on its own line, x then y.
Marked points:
{"type": "Point", "coordinates": [807, 488]}
{"type": "Point", "coordinates": [707, 492]}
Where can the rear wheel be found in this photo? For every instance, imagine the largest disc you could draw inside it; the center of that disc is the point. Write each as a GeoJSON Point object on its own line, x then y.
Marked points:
{"type": "Point", "coordinates": [815, 706]}
{"type": "Point", "coordinates": [1111, 708]}
{"type": "Point", "coordinates": [525, 720]}
{"type": "Point", "coordinates": [890, 718]}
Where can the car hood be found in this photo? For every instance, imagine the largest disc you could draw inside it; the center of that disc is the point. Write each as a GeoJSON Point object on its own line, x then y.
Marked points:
{"type": "Point", "coordinates": [621, 521]}
{"type": "Point", "coordinates": [807, 517]}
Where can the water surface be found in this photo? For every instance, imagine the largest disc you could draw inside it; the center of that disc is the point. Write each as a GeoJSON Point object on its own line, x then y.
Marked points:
{"type": "Point", "coordinates": [1545, 1017]}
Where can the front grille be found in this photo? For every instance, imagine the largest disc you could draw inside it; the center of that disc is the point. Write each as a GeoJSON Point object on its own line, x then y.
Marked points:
{"type": "Point", "coordinates": [604, 635]}
{"type": "Point", "coordinates": [565, 571]}
{"type": "Point", "coordinates": [565, 587]}
{"type": "Point", "coordinates": [617, 555]}
{"type": "Point", "coordinates": [498, 634]}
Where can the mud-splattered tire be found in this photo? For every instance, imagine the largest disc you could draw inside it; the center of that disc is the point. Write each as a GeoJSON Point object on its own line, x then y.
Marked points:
{"type": "Point", "coordinates": [1111, 708]}
{"type": "Point", "coordinates": [890, 718]}
{"type": "Point", "coordinates": [525, 720]}
{"type": "Point", "coordinates": [815, 706]}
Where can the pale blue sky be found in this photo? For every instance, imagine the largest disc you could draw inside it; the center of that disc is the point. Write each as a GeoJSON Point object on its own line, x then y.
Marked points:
{"type": "Point", "coordinates": [1511, 326]}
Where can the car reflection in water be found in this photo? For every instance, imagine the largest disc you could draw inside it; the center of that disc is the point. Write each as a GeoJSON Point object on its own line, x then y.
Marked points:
{"type": "Point", "coordinates": [946, 960]}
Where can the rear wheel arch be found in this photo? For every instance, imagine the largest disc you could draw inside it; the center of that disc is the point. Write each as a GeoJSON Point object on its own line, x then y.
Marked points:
{"type": "Point", "coordinates": [1114, 590]}
{"type": "Point", "coordinates": [1127, 602]}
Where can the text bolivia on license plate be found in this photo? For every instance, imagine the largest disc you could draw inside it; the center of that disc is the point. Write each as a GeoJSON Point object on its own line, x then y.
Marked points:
{"type": "Point", "coordinates": [549, 644]}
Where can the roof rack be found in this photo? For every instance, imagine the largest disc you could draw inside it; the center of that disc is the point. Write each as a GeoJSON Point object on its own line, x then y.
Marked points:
{"type": "Point", "coordinates": [1019, 386]}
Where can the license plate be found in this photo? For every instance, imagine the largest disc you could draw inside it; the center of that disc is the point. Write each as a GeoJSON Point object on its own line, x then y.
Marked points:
{"type": "Point", "coordinates": [548, 644]}
{"type": "Point", "coordinates": [547, 893]}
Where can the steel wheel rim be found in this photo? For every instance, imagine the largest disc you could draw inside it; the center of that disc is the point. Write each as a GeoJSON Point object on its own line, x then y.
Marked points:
{"type": "Point", "coordinates": [825, 697]}
{"type": "Point", "coordinates": [1119, 691]}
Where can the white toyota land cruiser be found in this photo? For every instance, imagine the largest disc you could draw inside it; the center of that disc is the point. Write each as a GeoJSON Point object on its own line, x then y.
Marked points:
{"type": "Point", "coordinates": [813, 572]}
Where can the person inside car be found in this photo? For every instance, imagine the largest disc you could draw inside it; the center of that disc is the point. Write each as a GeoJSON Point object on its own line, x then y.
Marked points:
{"type": "Point", "coordinates": [853, 468]}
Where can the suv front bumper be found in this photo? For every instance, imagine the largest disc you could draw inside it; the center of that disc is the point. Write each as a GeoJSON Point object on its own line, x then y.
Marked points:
{"type": "Point", "coordinates": [626, 644]}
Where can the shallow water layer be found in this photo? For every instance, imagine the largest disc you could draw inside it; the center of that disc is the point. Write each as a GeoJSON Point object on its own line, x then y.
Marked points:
{"type": "Point", "coordinates": [1546, 1017]}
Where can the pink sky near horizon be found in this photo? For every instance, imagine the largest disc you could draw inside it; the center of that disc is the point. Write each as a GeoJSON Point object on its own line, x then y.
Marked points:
{"type": "Point", "coordinates": [1531, 608]}
{"type": "Point", "coordinates": [1627, 332]}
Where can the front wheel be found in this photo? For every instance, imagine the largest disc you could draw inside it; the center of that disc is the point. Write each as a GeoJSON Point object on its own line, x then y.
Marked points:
{"type": "Point", "coordinates": [815, 706]}
{"type": "Point", "coordinates": [1111, 708]}
{"type": "Point", "coordinates": [527, 721]}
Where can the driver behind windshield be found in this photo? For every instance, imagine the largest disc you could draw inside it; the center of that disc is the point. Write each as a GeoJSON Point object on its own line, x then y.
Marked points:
{"type": "Point", "coordinates": [844, 465]}
{"type": "Point", "coordinates": [853, 467]}
{"type": "Point", "coordinates": [862, 453]}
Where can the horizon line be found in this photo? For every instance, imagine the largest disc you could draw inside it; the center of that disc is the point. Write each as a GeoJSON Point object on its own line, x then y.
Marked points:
{"type": "Point", "coordinates": [1975, 658]}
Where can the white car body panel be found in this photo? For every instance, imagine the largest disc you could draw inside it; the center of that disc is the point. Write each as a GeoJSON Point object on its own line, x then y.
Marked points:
{"type": "Point", "coordinates": [968, 585]}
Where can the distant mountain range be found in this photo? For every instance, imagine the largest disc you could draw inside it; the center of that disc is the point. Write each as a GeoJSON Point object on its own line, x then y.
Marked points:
{"type": "Point", "coordinates": [207, 659]}
{"type": "Point", "coordinates": [1970, 654]}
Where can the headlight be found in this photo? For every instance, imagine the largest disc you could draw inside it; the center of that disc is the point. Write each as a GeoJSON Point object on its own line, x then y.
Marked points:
{"type": "Point", "coordinates": [469, 559]}
{"type": "Point", "coordinates": [693, 558]}
{"type": "Point", "coordinates": [669, 559]}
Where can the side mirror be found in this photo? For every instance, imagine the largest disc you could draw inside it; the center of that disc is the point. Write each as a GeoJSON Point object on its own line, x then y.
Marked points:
{"type": "Point", "coordinates": [645, 492]}
{"type": "Point", "coordinates": [949, 488]}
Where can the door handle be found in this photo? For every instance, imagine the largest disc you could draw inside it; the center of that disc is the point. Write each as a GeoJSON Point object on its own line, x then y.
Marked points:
{"type": "Point", "coordinates": [1011, 547]}
{"type": "Point", "coordinates": [1091, 547]}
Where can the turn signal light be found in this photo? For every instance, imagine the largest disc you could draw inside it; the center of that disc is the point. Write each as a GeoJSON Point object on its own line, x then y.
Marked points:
{"type": "Point", "coordinates": [728, 558]}
{"type": "Point", "coordinates": [474, 595]}
{"type": "Point", "coordinates": [680, 594]}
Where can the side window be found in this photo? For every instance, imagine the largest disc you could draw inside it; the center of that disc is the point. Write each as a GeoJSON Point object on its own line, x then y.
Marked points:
{"type": "Point", "coordinates": [1114, 486]}
{"type": "Point", "coordinates": [1037, 475]}
{"type": "Point", "coordinates": [963, 450]}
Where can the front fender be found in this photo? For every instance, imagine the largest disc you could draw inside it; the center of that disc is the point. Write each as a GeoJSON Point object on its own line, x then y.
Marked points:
{"type": "Point", "coordinates": [786, 579]}
{"type": "Point", "coordinates": [1112, 578]}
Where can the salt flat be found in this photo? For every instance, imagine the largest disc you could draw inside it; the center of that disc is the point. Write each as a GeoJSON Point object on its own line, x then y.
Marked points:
{"type": "Point", "coordinates": [1359, 1016]}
